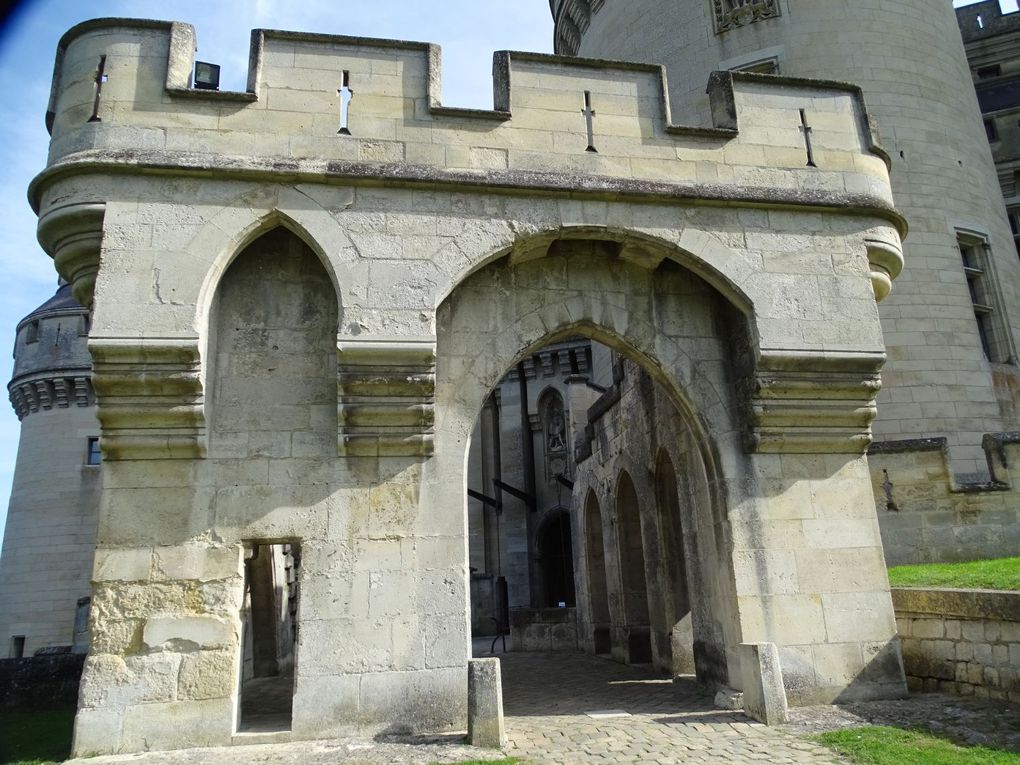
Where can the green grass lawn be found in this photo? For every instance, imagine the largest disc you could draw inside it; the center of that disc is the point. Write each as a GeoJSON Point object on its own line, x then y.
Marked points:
{"type": "Point", "coordinates": [891, 746]}
{"type": "Point", "coordinates": [1000, 574]}
{"type": "Point", "coordinates": [35, 738]}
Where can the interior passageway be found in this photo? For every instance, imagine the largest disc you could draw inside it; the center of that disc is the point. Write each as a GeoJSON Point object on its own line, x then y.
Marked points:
{"type": "Point", "coordinates": [269, 637]}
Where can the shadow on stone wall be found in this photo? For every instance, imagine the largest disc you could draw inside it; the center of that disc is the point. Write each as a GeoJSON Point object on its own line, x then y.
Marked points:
{"type": "Point", "coordinates": [927, 515]}
{"type": "Point", "coordinates": [40, 682]}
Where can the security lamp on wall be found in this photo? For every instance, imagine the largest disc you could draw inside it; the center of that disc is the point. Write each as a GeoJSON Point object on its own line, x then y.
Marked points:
{"type": "Point", "coordinates": [207, 76]}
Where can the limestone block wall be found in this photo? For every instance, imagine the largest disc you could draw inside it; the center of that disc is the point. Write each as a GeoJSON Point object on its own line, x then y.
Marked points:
{"type": "Point", "coordinates": [789, 554]}
{"type": "Point", "coordinates": [928, 516]}
{"type": "Point", "coordinates": [908, 57]}
{"type": "Point", "coordinates": [456, 243]}
{"type": "Point", "coordinates": [544, 629]}
{"type": "Point", "coordinates": [51, 529]}
{"type": "Point", "coordinates": [960, 641]}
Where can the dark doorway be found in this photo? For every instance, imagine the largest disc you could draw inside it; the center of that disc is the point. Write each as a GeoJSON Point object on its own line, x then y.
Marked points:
{"type": "Point", "coordinates": [269, 618]}
{"type": "Point", "coordinates": [557, 555]}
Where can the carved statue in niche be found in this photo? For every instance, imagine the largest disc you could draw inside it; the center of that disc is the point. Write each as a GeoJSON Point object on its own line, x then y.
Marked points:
{"type": "Point", "coordinates": [730, 14]}
{"type": "Point", "coordinates": [554, 435]}
{"type": "Point", "coordinates": [555, 427]}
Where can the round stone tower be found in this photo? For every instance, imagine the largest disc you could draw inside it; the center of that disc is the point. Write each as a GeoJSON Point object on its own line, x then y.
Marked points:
{"type": "Point", "coordinates": [953, 320]}
{"type": "Point", "coordinates": [46, 563]}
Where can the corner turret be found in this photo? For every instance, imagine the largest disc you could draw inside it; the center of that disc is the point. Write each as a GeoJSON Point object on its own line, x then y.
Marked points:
{"type": "Point", "coordinates": [50, 536]}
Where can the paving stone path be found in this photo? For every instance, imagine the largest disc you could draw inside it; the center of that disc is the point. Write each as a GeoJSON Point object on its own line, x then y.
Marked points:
{"type": "Point", "coordinates": [563, 709]}
{"type": "Point", "coordinates": [572, 708]}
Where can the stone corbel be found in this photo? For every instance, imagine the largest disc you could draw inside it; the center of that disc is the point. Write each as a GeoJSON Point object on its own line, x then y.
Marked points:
{"type": "Point", "coordinates": [386, 395]}
{"type": "Point", "coordinates": [150, 398]}
{"type": "Point", "coordinates": [885, 258]}
{"type": "Point", "coordinates": [813, 403]}
{"type": "Point", "coordinates": [73, 235]}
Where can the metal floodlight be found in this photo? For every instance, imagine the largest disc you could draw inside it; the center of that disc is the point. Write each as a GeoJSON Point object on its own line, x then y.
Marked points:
{"type": "Point", "coordinates": [207, 76]}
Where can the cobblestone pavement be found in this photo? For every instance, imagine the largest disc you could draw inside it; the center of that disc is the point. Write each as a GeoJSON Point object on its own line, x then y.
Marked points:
{"type": "Point", "coordinates": [573, 708]}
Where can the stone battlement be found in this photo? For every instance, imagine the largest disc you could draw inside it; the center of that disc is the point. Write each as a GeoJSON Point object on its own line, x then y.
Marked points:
{"type": "Point", "coordinates": [985, 19]}
{"type": "Point", "coordinates": [928, 514]}
{"type": "Point", "coordinates": [536, 136]}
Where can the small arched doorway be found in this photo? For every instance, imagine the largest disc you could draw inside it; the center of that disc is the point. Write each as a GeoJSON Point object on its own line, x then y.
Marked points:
{"type": "Point", "coordinates": [598, 589]}
{"type": "Point", "coordinates": [634, 633]}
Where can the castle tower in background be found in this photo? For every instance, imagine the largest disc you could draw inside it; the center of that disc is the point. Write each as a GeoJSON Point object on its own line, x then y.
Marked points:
{"type": "Point", "coordinates": [952, 323]}
{"type": "Point", "coordinates": [50, 536]}
{"type": "Point", "coordinates": [992, 40]}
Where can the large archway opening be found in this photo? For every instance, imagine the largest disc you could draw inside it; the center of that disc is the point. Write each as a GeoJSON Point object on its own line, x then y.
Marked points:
{"type": "Point", "coordinates": [567, 377]}
{"type": "Point", "coordinates": [519, 480]}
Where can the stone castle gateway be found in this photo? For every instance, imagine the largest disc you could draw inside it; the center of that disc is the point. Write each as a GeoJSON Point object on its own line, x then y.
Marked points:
{"type": "Point", "coordinates": [302, 301]}
{"type": "Point", "coordinates": [294, 332]}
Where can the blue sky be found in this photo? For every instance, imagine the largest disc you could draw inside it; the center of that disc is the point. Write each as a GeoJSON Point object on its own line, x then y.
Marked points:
{"type": "Point", "coordinates": [468, 30]}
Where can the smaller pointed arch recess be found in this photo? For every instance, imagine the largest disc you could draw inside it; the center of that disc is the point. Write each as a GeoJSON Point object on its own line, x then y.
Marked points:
{"type": "Point", "coordinates": [598, 586]}
{"type": "Point", "coordinates": [632, 554]}
{"type": "Point", "coordinates": [273, 351]}
{"type": "Point", "coordinates": [230, 246]}
{"type": "Point", "coordinates": [676, 582]}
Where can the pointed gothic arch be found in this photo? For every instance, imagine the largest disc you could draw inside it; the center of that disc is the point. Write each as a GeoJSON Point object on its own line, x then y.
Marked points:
{"type": "Point", "coordinates": [508, 309]}
{"type": "Point", "coordinates": [272, 349]}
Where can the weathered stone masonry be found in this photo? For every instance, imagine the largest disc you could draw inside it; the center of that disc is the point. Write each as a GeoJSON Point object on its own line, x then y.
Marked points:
{"type": "Point", "coordinates": [455, 242]}
{"type": "Point", "coordinates": [909, 60]}
{"type": "Point", "coordinates": [928, 516]}
{"type": "Point", "coordinates": [961, 641]}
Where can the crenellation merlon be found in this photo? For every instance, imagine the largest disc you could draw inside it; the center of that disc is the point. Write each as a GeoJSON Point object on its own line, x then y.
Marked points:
{"type": "Point", "coordinates": [291, 113]}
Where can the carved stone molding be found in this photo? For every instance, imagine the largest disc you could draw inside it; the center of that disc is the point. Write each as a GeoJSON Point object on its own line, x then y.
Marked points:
{"type": "Point", "coordinates": [73, 236]}
{"type": "Point", "coordinates": [730, 14]}
{"type": "Point", "coordinates": [813, 403]}
{"type": "Point", "coordinates": [886, 261]}
{"type": "Point", "coordinates": [386, 397]}
{"type": "Point", "coordinates": [41, 393]}
{"type": "Point", "coordinates": [571, 19]}
{"type": "Point", "coordinates": [150, 398]}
